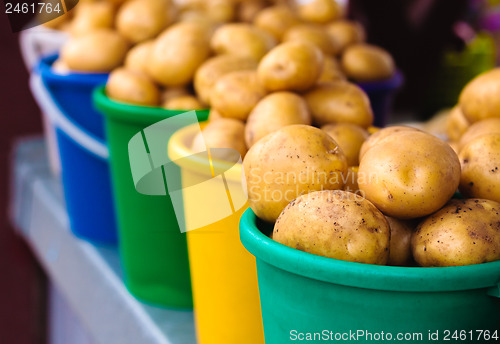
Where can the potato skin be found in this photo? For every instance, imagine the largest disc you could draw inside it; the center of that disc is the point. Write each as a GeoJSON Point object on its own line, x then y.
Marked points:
{"type": "Point", "coordinates": [400, 248]}
{"type": "Point", "coordinates": [186, 102]}
{"type": "Point", "coordinates": [132, 87]}
{"type": "Point", "coordinates": [479, 98]}
{"type": "Point", "coordinates": [137, 57]}
{"type": "Point", "coordinates": [319, 11]}
{"type": "Point", "coordinates": [346, 33]}
{"type": "Point", "coordinates": [211, 70]}
{"type": "Point", "coordinates": [349, 137]}
{"type": "Point", "coordinates": [409, 175]}
{"type": "Point", "coordinates": [273, 112]}
{"type": "Point", "coordinates": [456, 124]}
{"type": "Point", "coordinates": [235, 94]}
{"type": "Point", "coordinates": [464, 232]}
{"type": "Point", "coordinates": [335, 224]}
{"type": "Point", "coordinates": [222, 133]}
{"type": "Point", "coordinates": [380, 135]}
{"type": "Point", "coordinates": [480, 161]}
{"type": "Point", "coordinates": [331, 71]}
{"type": "Point", "coordinates": [351, 180]}
{"type": "Point", "coordinates": [339, 102]}
{"type": "Point", "coordinates": [312, 34]}
{"type": "Point", "coordinates": [293, 160]}
{"type": "Point", "coordinates": [365, 62]}
{"type": "Point", "coordinates": [291, 66]}
{"type": "Point", "coordinates": [276, 20]}
{"type": "Point", "coordinates": [487, 126]}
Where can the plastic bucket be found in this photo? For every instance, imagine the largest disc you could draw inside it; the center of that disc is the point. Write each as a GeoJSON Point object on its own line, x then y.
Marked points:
{"type": "Point", "coordinates": [306, 293]}
{"type": "Point", "coordinates": [40, 41]}
{"type": "Point", "coordinates": [223, 273]}
{"type": "Point", "coordinates": [72, 93]}
{"type": "Point", "coordinates": [381, 94]}
{"type": "Point", "coordinates": [153, 249]}
{"type": "Point", "coordinates": [85, 173]}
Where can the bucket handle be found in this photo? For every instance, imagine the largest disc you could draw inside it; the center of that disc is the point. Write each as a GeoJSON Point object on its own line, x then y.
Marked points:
{"type": "Point", "coordinates": [51, 110]}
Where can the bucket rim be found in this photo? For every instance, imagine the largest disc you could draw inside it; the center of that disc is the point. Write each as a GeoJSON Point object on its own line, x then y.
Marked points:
{"type": "Point", "coordinates": [75, 79]}
{"type": "Point", "coordinates": [390, 84]}
{"type": "Point", "coordinates": [130, 113]}
{"type": "Point", "coordinates": [367, 276]}
{"type": "Point", "coordinates": [178, 151]}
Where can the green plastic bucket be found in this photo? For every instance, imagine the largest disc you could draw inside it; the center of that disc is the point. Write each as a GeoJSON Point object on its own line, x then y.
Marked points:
{"type": "Point", "coordinates": [303, 294]}
{"type": "Point", "coordinates": [153, 250]}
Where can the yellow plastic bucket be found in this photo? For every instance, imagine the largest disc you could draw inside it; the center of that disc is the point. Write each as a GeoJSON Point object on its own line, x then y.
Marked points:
{"type": "Point", "coordinates": [223, 272]}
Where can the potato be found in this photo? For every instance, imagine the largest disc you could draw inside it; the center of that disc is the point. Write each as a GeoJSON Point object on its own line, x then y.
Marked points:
{"type": "Point", "coordinates": [247, 11]}
{"type": "Point", "coordinates": [349, 137]}
{"type": "Point", "coordinates": [92, 16]}
{"type": "Point", "coordinates": [138, 57]}
{"type": "Point", "coordinates": [351, 180]}
{"type": "Point", "coordinates": [456, 124]}
{"type": "Point", "coordinates": [480, 160]}
{"type": "Point", "coordinates": [400, 247]}
{"type": "Point", "coordinates": [186, 102]}
{"type": "Point", "coordinates": [276, 20]}
{"type": "Point", "coordinates": [98, 51]}
{"type": "Point", "coordinates": [454, 146]}
{"type": "Point", "coordinates": [235, 94]}
{"type": "Point", "coordinates": [214, 115]}
{"type": "Point", "coordinates": [464, 232]}
{"type": "Point", "coordinates": [132, 87]}
{"type": "Point", "coordinates": [346, 33]}
{"type": "Point", "coordinates": [223, 133]}
{"type": "Point", "coordinates": [312, 34]}
{"type": "Point", "coordinates": [56, 23]}
{"type": "Point", "coordinates": [364, 62]}
{"type": "Point", "coordinates": [319, 11]}
{"type": "Point", "coordinates": [331, 71]}
{"type": "Point", "coordinates": [289, 162]}
{"type": "Point", "coordinates": [339, 102]}
{"type": "Point", "coordinates": [380, 135]}
{"type": "Point", "coordinates": [273, 112]}
{"type": "Point", "coordinates": [335, 224]}
{"type": "Point", "coordinates": [291, 66]}
{"type": "Point", "coordinates": [479, 99]}
{"type": "Point", "coordinates": [173, 92]}
{"type": "Point", "coordinates": [212, 69]}
{"type": "Point", "coordinates": [178, 52]}
{"type": "Point", "coordinates": [243, 40]}
{"type": "Point", "coordinates": [140, 20]}
{"type": "Point", "coordinates": [409, 174]}
{"type": "Point", "coordinates": [220, 11]}
{"type": "Point", "coordinates": [487, 126]}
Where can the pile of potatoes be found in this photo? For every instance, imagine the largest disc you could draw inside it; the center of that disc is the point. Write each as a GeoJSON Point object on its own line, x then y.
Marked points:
{"type": "Point", "coordinates": [400, 205]}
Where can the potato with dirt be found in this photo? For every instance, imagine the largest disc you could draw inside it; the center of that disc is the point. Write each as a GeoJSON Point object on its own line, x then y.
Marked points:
{"type": "Point", "coordinates": [349, 137]}
{"type": "Point", "coordinates": [335, 224]}
{"type": "Point", "coordinates": [464, 232]}
{"type": "Point", "coordinates": [487, 126]}
{"type": "Point", "coordinates": [400, 247]}
{"type": "Point", "coordinates": [292, 161]}
{"type": "Point", "coordinates": [380, 135]}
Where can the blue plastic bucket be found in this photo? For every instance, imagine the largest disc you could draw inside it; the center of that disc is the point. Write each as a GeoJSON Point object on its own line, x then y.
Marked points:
{"type": "Point", "coordinates": [72, 93]}
{"type": "Point", "coordinates": [84, 159]}
{"type": "Point", "coordinates": [381, 94]}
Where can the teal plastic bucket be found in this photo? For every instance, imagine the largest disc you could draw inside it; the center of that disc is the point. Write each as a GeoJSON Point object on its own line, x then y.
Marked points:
{"type": "Point", "coordinates": [303, 295]}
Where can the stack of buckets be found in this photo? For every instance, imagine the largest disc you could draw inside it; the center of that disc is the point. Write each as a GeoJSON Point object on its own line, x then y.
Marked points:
{"type": "Point", "coordinates": [298, 291]}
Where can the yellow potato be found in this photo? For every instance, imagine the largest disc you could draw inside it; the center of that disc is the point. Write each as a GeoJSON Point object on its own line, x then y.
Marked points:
{"type": "Point", "coordinates": [92, 16]}
{"type": "Point", "coordinates": [409, 174]}
{"type": "Point", "coordinates": [351, 180]}
{"type": "Point", "coordinates": [464, 232]}
{"type": "Point", "coordinates": [456, 124]}
{"type": "Point", "coordinates": [186, 102]}
{"type": "Point", "coordinates": [289, 162]}
{"type": "Point", "coordinates": [479, 99]}
{"type": "Point", "coordinates": [346, 33]}
{"type": "Point", "coordinates": [178, 52]}
{"type": "Point", "coordinates": [480, 160]}
{"type": "Point", "coordinates": [273, 112]}
{"type": "Point", "coordinates": [339, 102]}
{"type": "Point", "coordinates": [314, 34]}
{"type": "Point", "coordinates": [276, 20]}
{"type": "Point", "coordinates": [214, 68]}
{"type": "Point", "coordinates": [235, 94]}
{"type": "Point", "coordinates": [319, 11]}
{"type": "Point", "coordinates": [220, 11]}
{"type": "Point", "coordinates": [487, 126]}
{"type": "Point", "coordinates": [349, 137]}
{"type": "Point", "coordinates": [331, 71]}
{"type": "Point", "coordinates": [380, 135]}
{"type": "Point", "coordinates": [138, 57]}
{"type": "Point", "coordinates": [173, 92]}
{"type": "Point", "coordinates": [291, 66]}
{"type": "Point", "coordinates": [57, 23]}
{"type": "Point", "coordinates": [247, 11]}
{"type": "Point", "coordinates": [335, 224]}
{"type": "Point", "coordinates": [364, 62]}
{"type": "Point", "coordinates": [400, 248]}
{"type": "Point", "coordinates": [223, 133]}
{"type": "Point", "coordinates": [132, 87]}
{"type": "Point", "coordinates": [243, 40]}
{"type": "Point", "coordinates": [98, 51]}
{"type": "Point", "coordinates": [214, 115]}
{"type": "Point", "coordinates": [140, 20]}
